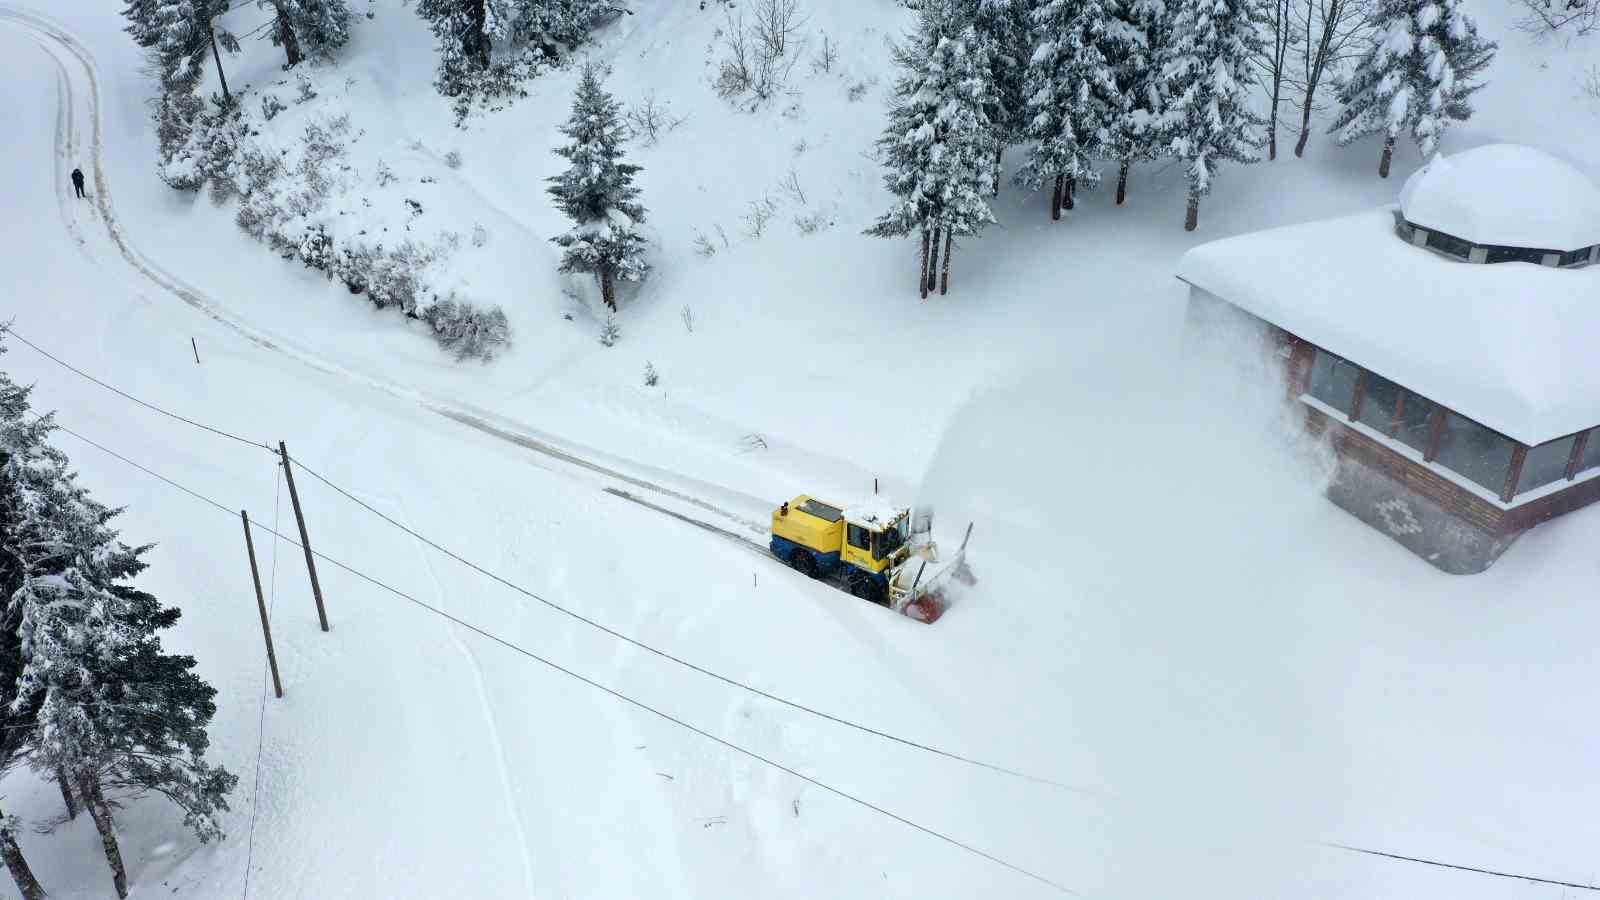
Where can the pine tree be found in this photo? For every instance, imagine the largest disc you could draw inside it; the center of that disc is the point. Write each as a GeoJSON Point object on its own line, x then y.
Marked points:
{"type": "Point", "coordinates": [465, 31]}
{"type": "Point", "coordinates": [469, 30]}
{"type": "Point", "coordinates": [1419, 74]}
{"type": "Point", "coordinates": [141, 16]}
{"type": "Point", "coordinates": [597, 191]}
{"type": "Point", "coordinates": [308, 27]}
{"type": "Point", "coordinates": [22, 448]}
{"type": "Point", "coordinates": [182, 35]}
{"type": "Point", "coordinates": [1073, 95]}
{"type": "Point", "coordinates": [1207, 117]}
{"type": "Point", "coordinates": [109, 709]}
{"type": "Point", "coordinates": [1142, 29]}
{"type": "Point", "coordinates": [939, 143]}
{"type": "Point", "coordinates": [1002, 28]}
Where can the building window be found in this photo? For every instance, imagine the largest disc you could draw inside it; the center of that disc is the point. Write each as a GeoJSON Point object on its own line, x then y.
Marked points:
{"type": "Point", "coordinates": [1380, 400]}
{"type": "Point", "coordinates": [1516, 254]}
{"type": "Point", "coordinates": [1452, 246]}
{"type": "Point", "coordinates": [1416, 413]}
{"type": "Point", "coordinates": [1480, 454]}
{"type": "Point", "coordinates": [1546, 463]}
{"type": "Point", "coordinates": [1591, 452]}
{"type": "Point", "coordinates": [1333, 380]}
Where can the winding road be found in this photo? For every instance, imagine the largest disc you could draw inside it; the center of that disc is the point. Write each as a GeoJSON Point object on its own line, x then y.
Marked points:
{"type": "Point", "coordinates": [79, 88]}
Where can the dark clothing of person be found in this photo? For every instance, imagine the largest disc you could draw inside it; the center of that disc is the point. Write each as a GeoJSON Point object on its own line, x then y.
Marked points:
{"type": "Point", "coordinates": [77, 181]}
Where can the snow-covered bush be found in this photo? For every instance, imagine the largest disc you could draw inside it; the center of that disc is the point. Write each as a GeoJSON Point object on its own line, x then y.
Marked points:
{"type": "Point", "coordinates": [468, 332]}
{"type": "Point", "coordinates": [271, 106]}
{"type": "Point", "coordinates": [610, 332]}
{"type": "Point", "coordinates": [453, 159]}
{"type": "Point", "coordinates": [650, 376]}
{"type": "Point", "coordinates": [284, 195]}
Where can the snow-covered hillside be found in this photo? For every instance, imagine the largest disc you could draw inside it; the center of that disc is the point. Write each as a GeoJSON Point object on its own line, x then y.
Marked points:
{"type": "Point", "coordinates": [1226, 669]}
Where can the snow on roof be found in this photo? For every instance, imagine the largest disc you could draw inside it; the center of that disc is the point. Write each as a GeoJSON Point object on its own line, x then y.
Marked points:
{"type": "Point", "coordinates": [1505, 195]}
{"type": "Point", "coordinates": [1510, 345]}
{"type": "Point", "coordinates": [872, 512]}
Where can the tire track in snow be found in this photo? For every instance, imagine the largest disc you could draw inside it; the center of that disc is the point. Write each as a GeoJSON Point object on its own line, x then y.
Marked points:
{"type": "Point", "coordinates": [482, 692]}
{"type": "Point", "coordinates": [492, 424]}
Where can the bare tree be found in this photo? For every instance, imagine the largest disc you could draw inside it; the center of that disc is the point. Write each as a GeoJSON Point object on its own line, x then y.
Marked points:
{"type": "Point", "coordinates": [777, 22]}
{"type": "Point", "coordinates": [1330, 33]}
{"type": "Point", "coordinates": [826, 56]}
{"type": "Point", "coordinates": [1278, 22]}
{"type": "Point", "coordinates": [1547, 17]}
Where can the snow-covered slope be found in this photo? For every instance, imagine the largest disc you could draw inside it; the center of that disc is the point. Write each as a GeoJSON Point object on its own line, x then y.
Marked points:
{"type": "Point", "coordinates": [1168, 617]}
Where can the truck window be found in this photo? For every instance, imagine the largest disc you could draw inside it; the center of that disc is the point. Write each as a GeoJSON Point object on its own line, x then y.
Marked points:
{"type": "Point", "coordinates": [887, 542]}
{"type": "Point", "coordinates": [859, 537]}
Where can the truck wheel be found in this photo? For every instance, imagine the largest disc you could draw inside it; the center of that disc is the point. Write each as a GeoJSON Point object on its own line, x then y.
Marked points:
{"type": "Point", "coordinates": [803, 562]}
{"type": "Point", "coordinates": [865, 589]}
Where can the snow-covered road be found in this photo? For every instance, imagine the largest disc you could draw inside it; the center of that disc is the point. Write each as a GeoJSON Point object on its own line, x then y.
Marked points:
{"type": "Point", "coordinates": [1234, 668]}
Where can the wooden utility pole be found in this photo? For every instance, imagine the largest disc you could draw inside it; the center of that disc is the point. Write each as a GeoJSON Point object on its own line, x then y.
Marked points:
{"type": "Point", "coordinates": [261, 604]}
{"type": "Point", "coordinates": [218, 57]}
{"type": "Point", "coordinates": [305, 539]}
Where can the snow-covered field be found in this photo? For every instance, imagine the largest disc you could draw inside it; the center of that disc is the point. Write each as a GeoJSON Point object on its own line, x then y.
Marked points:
{"type": "Point", "coordinates": [1224, 668]}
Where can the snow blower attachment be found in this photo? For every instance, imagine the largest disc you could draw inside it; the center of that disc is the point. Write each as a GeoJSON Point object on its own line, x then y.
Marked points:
{"type": "Point", "coordinates": [868, 549]}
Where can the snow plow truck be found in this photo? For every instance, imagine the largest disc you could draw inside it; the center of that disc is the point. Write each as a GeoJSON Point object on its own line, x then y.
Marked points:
{"type": "Point", "coordinates": [869, 550]}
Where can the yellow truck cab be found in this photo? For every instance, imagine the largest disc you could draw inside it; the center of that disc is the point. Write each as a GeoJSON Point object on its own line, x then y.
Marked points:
{"type": "Point", "coordinates": [861, 542]}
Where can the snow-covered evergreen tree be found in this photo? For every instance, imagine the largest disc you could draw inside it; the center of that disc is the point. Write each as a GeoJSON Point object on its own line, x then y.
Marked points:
{"type": "Point", "coordinates": [22, 447]}
{"type": "Point", "coordinates": [939, 143]}
{"type": "Point", "coordinates": [141, 16]}
{"type": "Point", "coordinates": [110, 709]}
{"type": "Point", "coordinates": [182, 35]}
{"type": "Point", "coordinates": [473, 33]}
{"type": "Point", "coordinates": [308, 27]}
{"type": "Point", "coordinates": [597, 191]}
{"type": "Point", "coordinates": [1142, 29]}
{"type": "Point", "coordinates": [1206, 117]}
{"type": "Point", "coordinates": [1072, 93]}
{"type": "Point", "coordinates": [1419, 74]}
{"type": "Point", "coordinates": [1003, 30]}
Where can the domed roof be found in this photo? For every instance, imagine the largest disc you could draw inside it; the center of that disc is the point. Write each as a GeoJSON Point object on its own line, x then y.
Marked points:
{"type": "Point", "coordinates": [1505, 195]}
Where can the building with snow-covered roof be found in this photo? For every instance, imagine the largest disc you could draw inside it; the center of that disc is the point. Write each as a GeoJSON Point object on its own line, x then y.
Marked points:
{"type": "Point", "coordinates": [1462, 398]}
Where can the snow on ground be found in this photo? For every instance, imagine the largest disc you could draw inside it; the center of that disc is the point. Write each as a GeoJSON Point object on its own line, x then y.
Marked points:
{"type": "Point", "coordinates": [1168, 617]}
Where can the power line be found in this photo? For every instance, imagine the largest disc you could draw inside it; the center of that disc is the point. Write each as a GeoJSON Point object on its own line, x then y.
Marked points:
{"type": "Point", "coordinates": [1445, 865]}
{"type": "Point", "coordinates": [741, 750]}
{"type": "Point", "coordinates": [523, 651]}
{"type": "Point", "coordinates": [838, 720]}
{"type": "Point", "coordinates": [121, 393]}
{"type": "Point", "coordinates": [866, 729]}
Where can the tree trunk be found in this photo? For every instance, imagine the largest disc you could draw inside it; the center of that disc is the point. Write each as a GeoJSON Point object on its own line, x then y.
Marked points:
{"type": "Point", "coordinates": [922, 273]}
{"type": "Point", "coordinates": [1388, 154]}
{"type": "Point", "coordinates": [933, 264]}
{"type": "Point", "coordinates": [1066, 199]}
{"type": "Point", "coordinates": [1122, 182]}
{"type": "Point", "coordinates": [291, 45]}
{"type": "Point", "coordinates": [66, 794]}
{"type": "Point", "coordinates": [949, 245]}
{"type": "Point", "coordinates": [999, 158]}
{"type": "Point", "coordinates": [221, 75]}
{"type": "Point", "coordinates": [474, 43]}
{"type": "Point", "coordinates": [89, 789]}
{"type": "Point", "coordinates": [1305, 127]}
{"type": "Point", "coordinates": [1272, 125]}
{"type": "Point", "coordinates": [1192, 218]}
{"type": "Point", "coordinates": [17, 865]}
{"type": "Point", "coordinates": [608, 287]}
{"type": "Point", "coordinates": [1055, 199]}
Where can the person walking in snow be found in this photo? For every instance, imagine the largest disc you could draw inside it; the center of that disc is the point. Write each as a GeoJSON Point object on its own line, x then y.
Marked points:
{"type": "Point", "coordinates": [77, 181]}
